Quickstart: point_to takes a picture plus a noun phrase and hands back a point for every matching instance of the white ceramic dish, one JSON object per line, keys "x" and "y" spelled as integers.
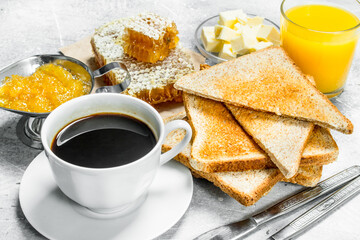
{"x": 212, "y": 21}
{"x": 55, "y": 216}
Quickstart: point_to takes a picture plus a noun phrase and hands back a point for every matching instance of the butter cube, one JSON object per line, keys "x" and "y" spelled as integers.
{"x": 260, "y": 45}
{"x": 268, "y": 33}
{"x": 238, "y": 27}
{"x": 245, "y": 41}
{"x": 227, "y": 34}
{"x": 218, "y": 29}
{"x": 243, "y": 52}
{"x": 229, "y": 18}
{"x": 255, "y": 21}
{"x": 226, "y": 52}
{"x": 211, "y": 44}
{"x": 242, "y": 18}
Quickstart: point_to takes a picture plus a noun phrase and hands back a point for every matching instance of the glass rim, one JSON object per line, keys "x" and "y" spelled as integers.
{"x": 313, "y": 30}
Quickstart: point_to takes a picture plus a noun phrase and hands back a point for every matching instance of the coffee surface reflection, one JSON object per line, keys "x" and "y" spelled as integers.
{"x": 103, "y": 140}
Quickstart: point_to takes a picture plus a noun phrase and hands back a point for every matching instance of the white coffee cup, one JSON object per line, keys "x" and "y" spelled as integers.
{"x": 116, "y": 189}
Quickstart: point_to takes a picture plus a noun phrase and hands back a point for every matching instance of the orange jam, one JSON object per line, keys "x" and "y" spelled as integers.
{"x": 43, "y": 91}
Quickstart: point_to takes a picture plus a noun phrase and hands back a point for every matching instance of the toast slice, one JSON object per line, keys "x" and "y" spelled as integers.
{"x": 282, "y": 138}
{"x": 220, "y": 144}
{"x": 306, "y": 176}
{"x": 151, "y": 82}
{"x": 247, "y": 187}
{"x": 266, "y": 80}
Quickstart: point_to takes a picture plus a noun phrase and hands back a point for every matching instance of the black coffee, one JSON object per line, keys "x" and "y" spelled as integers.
{"x": 103, "y": 140}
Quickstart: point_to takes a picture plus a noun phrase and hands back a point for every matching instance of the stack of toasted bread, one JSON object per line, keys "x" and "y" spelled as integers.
{"x": 257, "y": 120}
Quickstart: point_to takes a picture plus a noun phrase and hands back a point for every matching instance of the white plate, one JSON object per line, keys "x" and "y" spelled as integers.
{"x": 52, "y": 214}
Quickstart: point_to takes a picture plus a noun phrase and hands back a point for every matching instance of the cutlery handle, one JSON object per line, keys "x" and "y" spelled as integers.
{"x": 118, "y": 88}
{"x": 308, "y": 195}
{"x": 229, "y": 232}
{"x": 318, "y": 211}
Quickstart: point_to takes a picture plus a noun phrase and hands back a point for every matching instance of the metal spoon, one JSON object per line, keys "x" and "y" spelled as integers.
{"x": 115, "y": 88}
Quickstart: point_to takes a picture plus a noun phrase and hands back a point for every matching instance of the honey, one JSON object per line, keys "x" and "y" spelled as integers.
{"x": 149, "y": 37}
{"x": 43, "y": 91}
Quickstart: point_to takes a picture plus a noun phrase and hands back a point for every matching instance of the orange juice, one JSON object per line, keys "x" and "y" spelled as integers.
{"x": 321, "y": 40}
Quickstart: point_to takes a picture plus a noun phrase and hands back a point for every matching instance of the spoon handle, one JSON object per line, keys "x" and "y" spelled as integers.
{"x": 116, "y": 88}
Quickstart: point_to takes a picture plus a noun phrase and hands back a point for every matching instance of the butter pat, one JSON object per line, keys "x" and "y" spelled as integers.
{"x": 218, "y": 29}
{"x": 244, "y": 42}
{"x": 260, "y": 45}
{"x": 255, "y": 21}
{"x": 229, "y": 18}
{"x": 211, "y": 44}
{"x": 227, "y": 34}
{"x": 268, "y": 33}
{"x": 226, "y": 52}
{"x": 237, "y": 34}
{"x": 238, "y": 27}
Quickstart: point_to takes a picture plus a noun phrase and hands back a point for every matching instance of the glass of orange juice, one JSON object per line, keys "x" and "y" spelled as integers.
{"x": 321, "y": 37}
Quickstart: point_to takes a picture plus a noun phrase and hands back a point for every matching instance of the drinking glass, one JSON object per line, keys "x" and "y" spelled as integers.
{"x": 321, "y": 37}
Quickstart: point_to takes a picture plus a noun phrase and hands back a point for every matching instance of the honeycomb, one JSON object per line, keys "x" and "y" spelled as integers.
{"x": 149, "y": 37}
{"x": 151, "y": 82}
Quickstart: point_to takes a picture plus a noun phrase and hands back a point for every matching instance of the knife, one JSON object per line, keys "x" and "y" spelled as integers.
{"x": 320, "y": 210}
{"x": 239, "y": 229}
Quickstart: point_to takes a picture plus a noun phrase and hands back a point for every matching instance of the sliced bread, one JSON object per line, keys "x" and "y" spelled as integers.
{"x": 266, "y": 80}
{"x": 247, "y": 187}
{"x": 282, "y": 138}
{"x": 306, "y": 176}
{"x": 220, "y": 144}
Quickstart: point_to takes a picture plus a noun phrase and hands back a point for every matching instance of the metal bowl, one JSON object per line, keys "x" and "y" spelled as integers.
{"x": 29, "y": 126}
{"x": 28, "y": 66}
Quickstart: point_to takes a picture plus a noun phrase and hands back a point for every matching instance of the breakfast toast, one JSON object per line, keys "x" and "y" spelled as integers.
{"x": 266, "y": 80}
{"x": 220, "y": 144}
{"x": 282, "y": 138}
{"x": 246, "y": 187}
{"x": 307, "y": 176}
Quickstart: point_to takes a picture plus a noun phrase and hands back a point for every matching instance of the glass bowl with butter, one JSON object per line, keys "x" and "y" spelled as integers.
{"x": 234, "y": 33}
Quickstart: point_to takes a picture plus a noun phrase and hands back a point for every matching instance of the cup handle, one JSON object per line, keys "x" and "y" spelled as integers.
{"x": 169, "y": 127}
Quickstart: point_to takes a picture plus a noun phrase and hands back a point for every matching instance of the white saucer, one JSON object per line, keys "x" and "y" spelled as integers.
{"x": 52, "y": 214}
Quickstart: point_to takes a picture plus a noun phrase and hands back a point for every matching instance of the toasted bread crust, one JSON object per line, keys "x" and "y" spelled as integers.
{"x": 273, "y": 176}
{"x": 266, "y": 80}
{"x": 214, "y": 130}
{"x": 320, "y": 150}
{"x": 307, "y": 176}
{"x": 282, "y": 138}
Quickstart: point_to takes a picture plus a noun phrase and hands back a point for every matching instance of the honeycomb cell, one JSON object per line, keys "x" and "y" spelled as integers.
{"x": 149, "y": 37}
